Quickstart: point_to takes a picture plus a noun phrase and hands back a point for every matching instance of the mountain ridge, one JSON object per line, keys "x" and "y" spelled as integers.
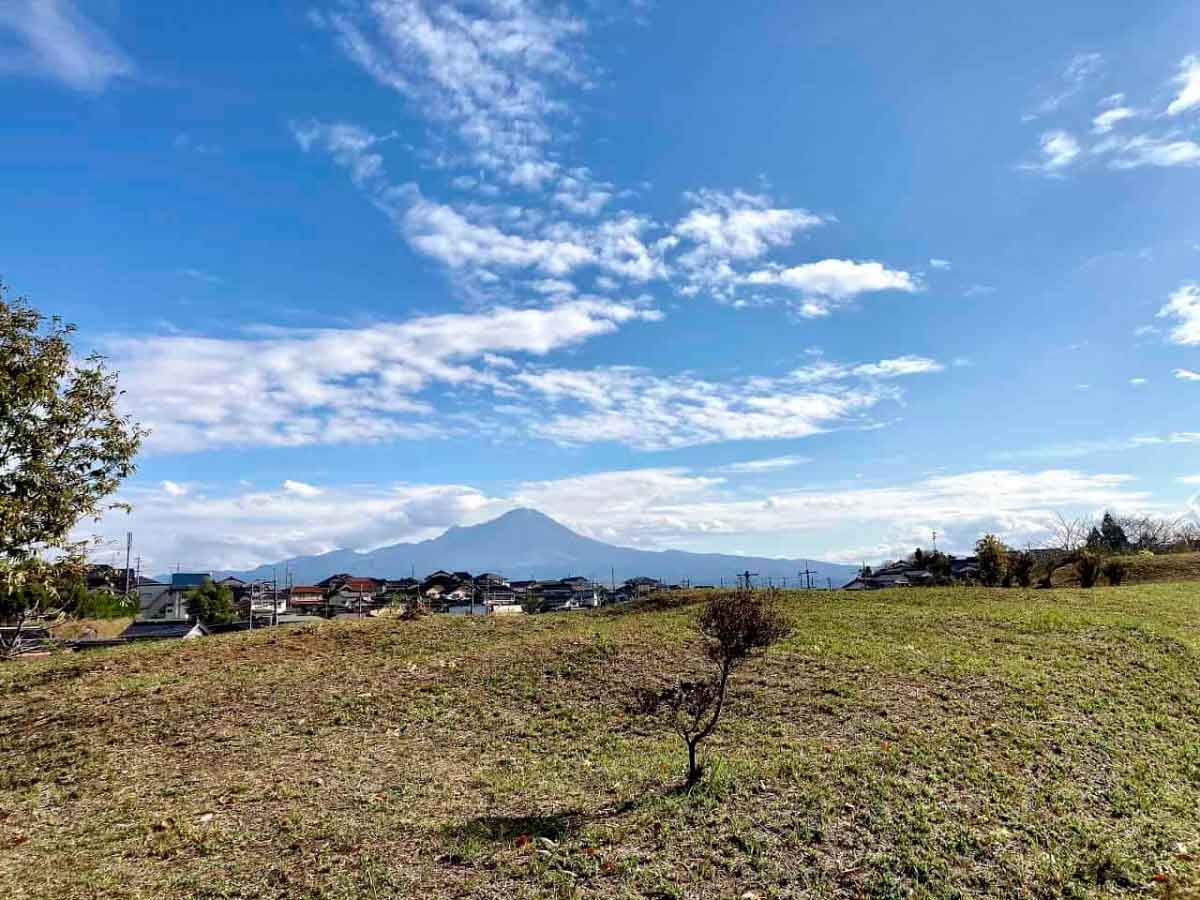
{"x": 526, "y": 543}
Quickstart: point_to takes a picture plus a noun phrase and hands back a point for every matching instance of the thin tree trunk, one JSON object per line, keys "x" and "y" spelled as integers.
{"x": 693, "y": 770}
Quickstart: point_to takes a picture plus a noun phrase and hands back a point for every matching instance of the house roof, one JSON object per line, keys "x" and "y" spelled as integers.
{"x": 189, "y": 579}
{"x": 306, "y": 590}
{"x": 155, "y": 631}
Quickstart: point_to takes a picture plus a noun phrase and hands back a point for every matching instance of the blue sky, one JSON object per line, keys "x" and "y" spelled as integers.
{"x": 776, "y": 278}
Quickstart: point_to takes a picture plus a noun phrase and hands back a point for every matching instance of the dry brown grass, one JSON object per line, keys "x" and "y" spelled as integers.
{"x": 939, "y": 743}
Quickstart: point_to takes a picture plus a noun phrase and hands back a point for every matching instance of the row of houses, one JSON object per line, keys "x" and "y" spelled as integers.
{"x": 906, "y": 573}
{"x": 162, "y": 605}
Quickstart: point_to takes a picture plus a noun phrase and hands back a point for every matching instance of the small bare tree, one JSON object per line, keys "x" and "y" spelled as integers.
{"x": 1070, "y": 535}
{"x": 734, "y": 625}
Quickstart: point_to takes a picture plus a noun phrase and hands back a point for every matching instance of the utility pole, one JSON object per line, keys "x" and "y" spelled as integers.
{"x": 128, "y": 553}
{"x": 744, "y": 579}
{"x": 807, "y": 575}
{"x": 935, "y": 540}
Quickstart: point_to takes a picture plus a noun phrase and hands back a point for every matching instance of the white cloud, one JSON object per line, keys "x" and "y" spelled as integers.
{"x": 1080, "y": 69}
{"x": 490, "y": 71}
{"x": 1186, "y": 375}
{"x": 470, "y": 240}
{"x": 579, "y": 193}
{"x": 739, "y": 225}
{"x": 247, "y": 527}
{"x": 173, "y": 488}
{"x": 1059, "y": 149}
{"x": 940, "y": 264}
{"x": 290, "y": 388}
{"x": 1077, "y": 449}
{"x": 769, "y": 464}
{"x": 442, "y": 232}
{"x": 1110, "y": 118}
{"x": 829, "y": 283}
{"x": 1138, "y": 382}
{"x": 1147, "y": 150}
{"x": 637, "y": 408}
{"x": 898, "y": 367}
{"x": 1184, "y": 306}
{"x": 1188, "y": 80}
{"x": 650, "y": 507}
{"x": 720, "y": 231}
{"x": 351, "y": 147}
{"x": 724, "y": 229}
{"x": 300, "y": 488}
{"x": 1190, "y": 479}
{"x": 58, "y": 41}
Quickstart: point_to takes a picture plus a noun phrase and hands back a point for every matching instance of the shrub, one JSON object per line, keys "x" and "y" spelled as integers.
{"x": 1020, "y": 567}
{"x": 1087, "y": 567}
{"x": 993, "y": 559}
{"x": 415, "y": 608}
{"x": 734, "y": 625}
{"x": 1114, "y": 571}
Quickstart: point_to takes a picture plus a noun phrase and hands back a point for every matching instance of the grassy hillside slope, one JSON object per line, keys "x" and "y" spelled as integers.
{"x": 941, "y": 743}
{"x": 1145, "y": 569}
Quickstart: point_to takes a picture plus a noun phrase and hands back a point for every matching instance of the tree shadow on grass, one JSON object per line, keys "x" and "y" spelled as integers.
{"x": 554, "y": 826}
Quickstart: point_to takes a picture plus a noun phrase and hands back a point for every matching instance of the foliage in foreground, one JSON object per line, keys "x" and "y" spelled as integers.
{"x": 64, "y": 447}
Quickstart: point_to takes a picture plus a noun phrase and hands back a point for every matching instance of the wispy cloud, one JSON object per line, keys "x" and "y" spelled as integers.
{"x": 1149, "y": 150}
{"x": 711, "y": 249}
{"x": 1106, "y": 121}
{"x": 56, "y": 40}
{"x": 1188, "y": 81}
{"x": 492, "y": 72}
{"x": 1059, "y": 149}
{"x": 1081, "y": 69}
{"x": 760, "y": 466}
{"x": 1184, "y": 307}
{"x": 292, "y": 388}
{"x": 1186, "y": 375}
{"x": 826, "y": 284}
{"x": 1079, "y": 449}
{"x": 726, "y": 228}
{"x": 648, "y": 411}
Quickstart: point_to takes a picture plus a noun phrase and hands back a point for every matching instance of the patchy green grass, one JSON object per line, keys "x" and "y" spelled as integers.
{"x": 933, "y": 743}
{"x": 1145, "y": 569}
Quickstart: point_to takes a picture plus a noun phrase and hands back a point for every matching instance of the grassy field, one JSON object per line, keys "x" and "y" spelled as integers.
{"x": 940, "y": 743}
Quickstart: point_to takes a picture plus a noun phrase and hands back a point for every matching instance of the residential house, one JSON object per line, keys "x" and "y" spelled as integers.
{"x": 305, "y": 598}
{"x": 641, "y": 586}
{"x": 158, "y": 601}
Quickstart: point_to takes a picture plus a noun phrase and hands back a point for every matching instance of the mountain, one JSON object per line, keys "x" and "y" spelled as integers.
{"x": 525, "y": 543}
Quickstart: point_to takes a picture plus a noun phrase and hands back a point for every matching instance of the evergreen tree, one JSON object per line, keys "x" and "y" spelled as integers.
{"x": 1112, "y": 535}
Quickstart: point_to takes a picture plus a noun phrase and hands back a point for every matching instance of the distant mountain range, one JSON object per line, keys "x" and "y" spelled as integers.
{"x": 525, "y": 544}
